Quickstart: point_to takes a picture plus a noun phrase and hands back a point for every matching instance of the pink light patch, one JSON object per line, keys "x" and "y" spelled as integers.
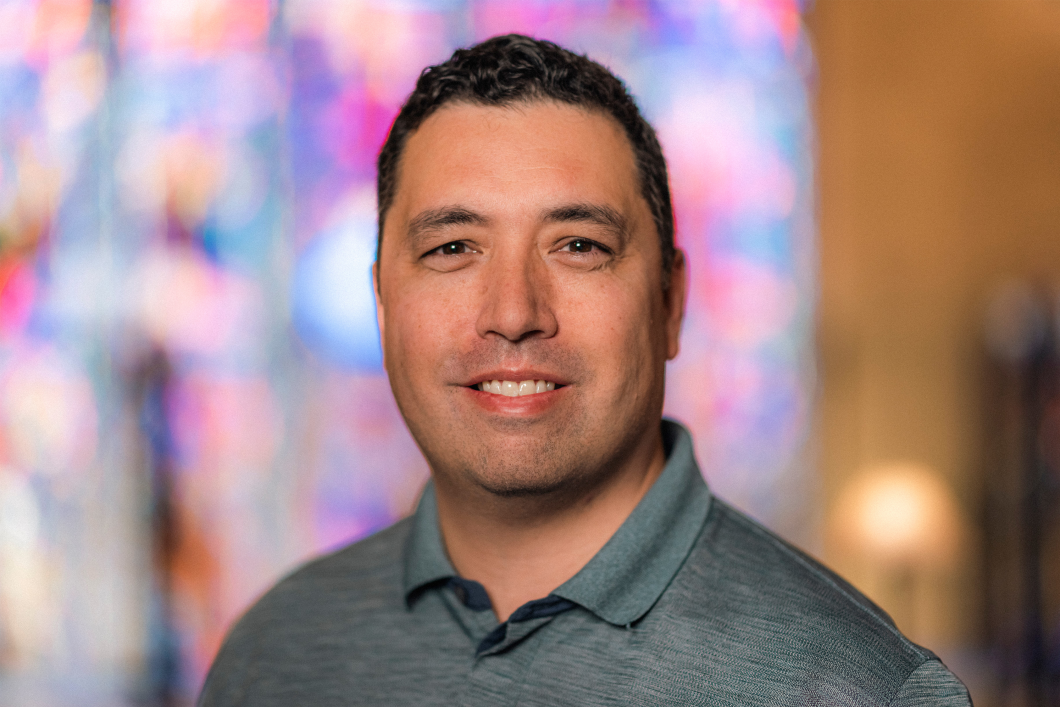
{"x": 749, "y": 303}
{"x": 18, "y": 290}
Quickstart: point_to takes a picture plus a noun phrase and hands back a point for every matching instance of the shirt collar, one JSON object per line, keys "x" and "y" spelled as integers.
{"x": 425, "y": 559}
{"x": 628, "y": 575}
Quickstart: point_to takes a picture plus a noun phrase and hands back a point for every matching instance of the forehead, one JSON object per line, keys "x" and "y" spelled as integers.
{"x": 527, "y": 153}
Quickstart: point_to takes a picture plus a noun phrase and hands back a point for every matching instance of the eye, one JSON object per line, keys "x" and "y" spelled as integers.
{"x": 584, "y": 246}
{"x": 449, "y": 257}
{"x": 455, "y": 248}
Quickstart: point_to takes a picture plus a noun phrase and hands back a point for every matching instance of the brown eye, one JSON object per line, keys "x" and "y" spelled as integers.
{"x": 581, "y": 246}
{"x": 456, "y": 248}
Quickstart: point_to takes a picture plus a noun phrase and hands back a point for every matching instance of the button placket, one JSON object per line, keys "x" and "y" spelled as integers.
{"x": 516, "y": 633}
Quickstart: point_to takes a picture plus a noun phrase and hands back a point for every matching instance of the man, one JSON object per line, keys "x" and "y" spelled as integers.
{"x": 567, "y": 550}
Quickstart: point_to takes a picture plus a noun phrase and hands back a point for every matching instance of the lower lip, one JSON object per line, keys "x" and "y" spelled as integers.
{"x": 521, "y": 406}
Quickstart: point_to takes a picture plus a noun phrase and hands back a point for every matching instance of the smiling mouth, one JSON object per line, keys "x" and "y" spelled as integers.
{"x": 515, "y": 389}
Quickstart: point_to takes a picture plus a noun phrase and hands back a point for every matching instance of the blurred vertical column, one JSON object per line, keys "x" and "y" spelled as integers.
{"x": 1022, "y": 492}
{"x": 68, "y": 553}
{"x": 201, "y": 196}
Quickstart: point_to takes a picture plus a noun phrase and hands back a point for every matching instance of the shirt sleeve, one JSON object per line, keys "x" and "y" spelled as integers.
{"x": 224, "y": 683}
{"x": 234, "y": 668}
{"x": 932, "y": 684}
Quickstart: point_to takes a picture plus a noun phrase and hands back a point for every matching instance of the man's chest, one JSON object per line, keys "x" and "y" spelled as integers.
{"x": 429, "y": 658}
{"x": 433, "y": 656}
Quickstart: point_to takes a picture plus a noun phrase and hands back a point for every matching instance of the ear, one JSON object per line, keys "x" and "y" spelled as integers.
{"x": 675, "y": 304}
{"x": 380, "y": 317}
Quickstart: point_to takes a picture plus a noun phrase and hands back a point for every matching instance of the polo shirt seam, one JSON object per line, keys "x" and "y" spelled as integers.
{"x": 914, "y": 671}
{"x": 905, "y": 642}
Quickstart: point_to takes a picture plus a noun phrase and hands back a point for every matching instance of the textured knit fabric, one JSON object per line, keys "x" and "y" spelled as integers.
{"x": 689, "y": 603}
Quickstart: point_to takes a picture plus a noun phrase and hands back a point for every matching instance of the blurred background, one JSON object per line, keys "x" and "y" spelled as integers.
{"x": 191, "y": 394}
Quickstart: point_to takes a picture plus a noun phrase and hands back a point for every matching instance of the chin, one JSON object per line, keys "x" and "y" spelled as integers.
{"x": 522, "y": 483}
{"x": 553, "y": 472}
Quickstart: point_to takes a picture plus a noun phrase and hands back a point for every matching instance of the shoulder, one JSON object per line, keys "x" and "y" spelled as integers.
{"x": 754, "y": 567}
{"x": 317, "y": 607}
{"x": 783, "y": 615}
{"x": 348, "y": 576}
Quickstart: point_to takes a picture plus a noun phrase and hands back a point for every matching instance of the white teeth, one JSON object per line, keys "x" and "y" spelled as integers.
{"x": 513, "y": 389}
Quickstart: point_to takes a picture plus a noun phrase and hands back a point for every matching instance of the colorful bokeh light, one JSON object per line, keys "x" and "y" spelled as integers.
{"x": 191, "y": 392}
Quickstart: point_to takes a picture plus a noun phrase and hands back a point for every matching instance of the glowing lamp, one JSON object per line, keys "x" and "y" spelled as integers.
{"x": 901, "y": 515}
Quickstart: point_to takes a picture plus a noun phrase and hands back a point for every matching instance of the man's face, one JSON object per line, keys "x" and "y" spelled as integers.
{"x": 519, "y": 248}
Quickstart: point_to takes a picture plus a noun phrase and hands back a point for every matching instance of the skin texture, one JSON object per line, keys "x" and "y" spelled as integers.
{"x": 519, "y": 247}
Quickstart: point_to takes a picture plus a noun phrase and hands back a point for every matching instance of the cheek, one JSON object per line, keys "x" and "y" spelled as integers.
{"x": 611, "y": 321}
{"x": 422, "y": 327}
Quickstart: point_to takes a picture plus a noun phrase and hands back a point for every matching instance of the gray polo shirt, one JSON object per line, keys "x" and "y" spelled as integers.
{"x": 689, "y": 603}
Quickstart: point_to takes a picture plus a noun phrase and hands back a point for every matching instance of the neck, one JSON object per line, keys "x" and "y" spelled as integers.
{"x": 520, "y": 549}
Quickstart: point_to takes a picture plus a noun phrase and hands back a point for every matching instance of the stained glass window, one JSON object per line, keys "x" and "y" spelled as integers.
{"x": 191, "y": 392}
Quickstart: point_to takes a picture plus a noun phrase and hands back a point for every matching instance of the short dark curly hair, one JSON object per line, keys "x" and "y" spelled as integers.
{"x": 515, "y": 68}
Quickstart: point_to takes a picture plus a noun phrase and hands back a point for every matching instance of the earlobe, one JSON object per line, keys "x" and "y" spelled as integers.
{"x": 675, "y": 304}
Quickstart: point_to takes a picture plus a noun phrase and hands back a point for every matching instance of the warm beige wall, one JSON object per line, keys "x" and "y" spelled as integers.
{"x": 939, "y": 175}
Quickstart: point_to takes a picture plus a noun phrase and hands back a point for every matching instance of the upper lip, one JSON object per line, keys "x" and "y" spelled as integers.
{"x": 518, "y": 375}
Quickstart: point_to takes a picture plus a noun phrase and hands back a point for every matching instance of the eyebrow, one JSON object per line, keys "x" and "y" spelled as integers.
{"x": 598, "y": 214}
{"x": 433, "y": 220}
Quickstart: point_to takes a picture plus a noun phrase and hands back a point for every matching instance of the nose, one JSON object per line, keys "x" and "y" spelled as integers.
{"x": 517, "y": 302}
